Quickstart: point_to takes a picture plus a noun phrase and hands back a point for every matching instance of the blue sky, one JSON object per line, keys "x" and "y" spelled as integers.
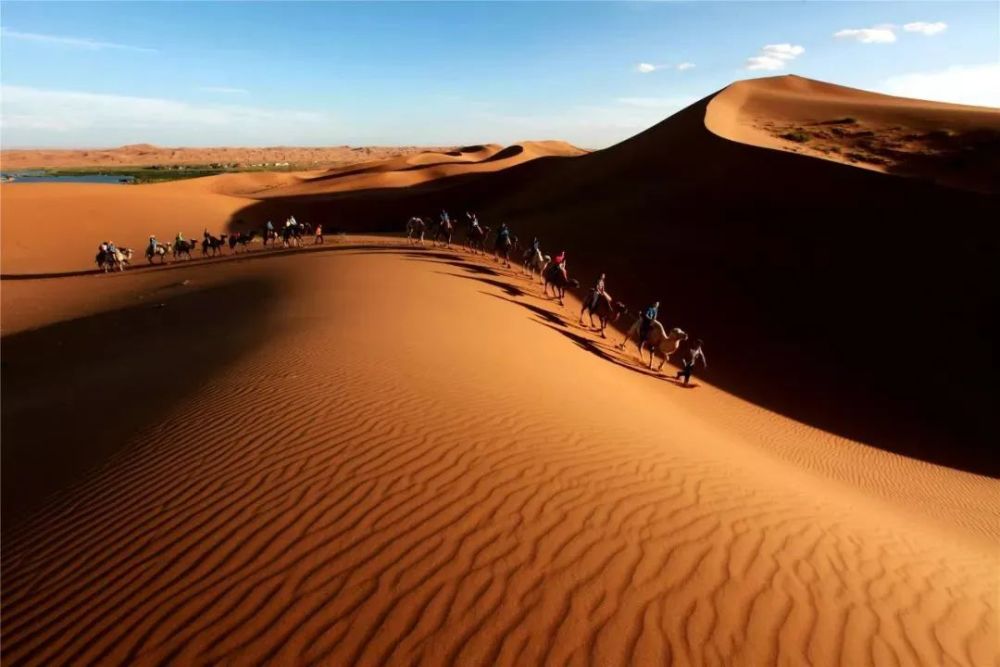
{"x": 103, "y": 74}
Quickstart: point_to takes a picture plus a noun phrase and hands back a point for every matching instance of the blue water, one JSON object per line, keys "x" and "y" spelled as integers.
{"x": 42, "y": 177}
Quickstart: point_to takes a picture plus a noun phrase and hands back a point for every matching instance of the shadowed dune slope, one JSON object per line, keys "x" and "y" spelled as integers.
{"x": 459, "y": 483}
{"x": 857, "y": 301}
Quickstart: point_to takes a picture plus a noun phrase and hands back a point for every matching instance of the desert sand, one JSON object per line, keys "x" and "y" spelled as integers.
{"x": 374, "y": 453}
{"x": 144, "y": 155}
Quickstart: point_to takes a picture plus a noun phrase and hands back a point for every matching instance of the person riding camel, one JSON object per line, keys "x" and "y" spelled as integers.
{"x": 319, "y": 233}
{"x": 599, "y": 292}
{"x": 559, "y": 261}
{"x": 180, "y": 238}
{"x": 503, "y": 234}
{"x": 648, "y": 317}
{"x": 151, "y": 248}
{"x": 445, "y": 219}
{"x": 694, "y": 354}
{"x": 536, "y": 246}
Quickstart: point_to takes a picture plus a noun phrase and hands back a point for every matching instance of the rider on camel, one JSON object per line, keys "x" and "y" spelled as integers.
{"x": 559, "y": 261}
{"x": 180, "y": 238}
{"x": 151, "y": 249}
{"x": 648, "y": 317}
{"x": 596, "y": 293}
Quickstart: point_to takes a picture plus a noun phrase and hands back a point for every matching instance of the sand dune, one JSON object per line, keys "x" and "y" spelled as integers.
{"x": 139, "y": 155}
{"x": 370, "y": 453}
{"x": 818, "y": 284}
{"x": 952, "y": 144}
{"x": 300, "y": 503}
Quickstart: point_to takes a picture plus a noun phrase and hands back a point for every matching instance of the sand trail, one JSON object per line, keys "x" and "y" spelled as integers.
{"x": 409, "y": 466}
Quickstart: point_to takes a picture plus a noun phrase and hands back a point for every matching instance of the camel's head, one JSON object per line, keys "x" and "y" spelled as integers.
{"x": 677, "y": 332}
{"x": 574, "y": 282}
{"x": 619, "y": 309}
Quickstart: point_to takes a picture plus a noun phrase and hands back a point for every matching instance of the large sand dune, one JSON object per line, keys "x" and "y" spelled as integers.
{"x": 389, "y": 456}
{"x": 375, "y": 454}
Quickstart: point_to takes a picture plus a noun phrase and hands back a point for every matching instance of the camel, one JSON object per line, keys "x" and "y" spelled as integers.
{"x": 415, "y": 229}
{"x": 657, "y": 338}
{"x": 242, "y": 240}
{"x": 161, "y": 251}
{"x": 555, "y": 276}
{"x": 605, "y": 309}
{"x": 118, "y": 260}
{"x": 213, "y": 245}
{"x": 535, "y": 261}
{"x": 184, "y": 248}
{"x": 477, "y": 238}
{"x": 444, "y": 231}
{"x": 501, "y": 251}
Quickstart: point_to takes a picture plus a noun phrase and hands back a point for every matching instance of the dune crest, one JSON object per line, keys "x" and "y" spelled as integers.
{"x": 954, "y": 144}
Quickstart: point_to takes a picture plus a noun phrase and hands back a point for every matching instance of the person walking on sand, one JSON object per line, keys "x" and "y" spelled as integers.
{"x": 319, "y": 234}
{"x": 695, "y": 352}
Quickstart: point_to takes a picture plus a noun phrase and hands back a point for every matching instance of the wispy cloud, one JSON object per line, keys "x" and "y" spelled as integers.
{"x": 963, "y": 84}
{"x": 775, "y": 56}
{"x": 924, "y": 28}
{"x": 71, "y": 42}
{"x": 32, "y": 116}
{"x": 225, "y": 90}
{"x": 646, "y": 68}
{"x": 880, "y": 35}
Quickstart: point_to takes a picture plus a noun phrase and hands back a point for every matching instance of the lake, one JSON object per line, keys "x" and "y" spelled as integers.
{"x": 42, "y": 177}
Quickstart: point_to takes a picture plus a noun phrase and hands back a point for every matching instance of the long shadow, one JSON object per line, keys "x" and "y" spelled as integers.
{"x": 512, "y": 290}
{"x": 556, "y": 323}
{"x": 76, "y": 393}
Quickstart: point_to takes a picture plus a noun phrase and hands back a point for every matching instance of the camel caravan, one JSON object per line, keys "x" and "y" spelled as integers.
{"x": 646, "y": 330}
{"x": 111, "y": 258}
{"x": 649, "y": 334}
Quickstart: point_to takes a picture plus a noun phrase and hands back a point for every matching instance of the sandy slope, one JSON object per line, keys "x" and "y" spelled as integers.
{"x": 828, "y": 292}
{"x": 953, "y": 144}
{"x": 407, "y": 456}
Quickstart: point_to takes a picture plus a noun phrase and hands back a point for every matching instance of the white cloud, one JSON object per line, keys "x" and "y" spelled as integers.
{"x": 925, "y": 28}
{"x": 774, "y": 56}
{"x": 34, "y": 117}
{"x": 71, "y": 42}
{"x": 646, "y": 68}
{"x": 224, "y": 90}
{"x": 876, "y": 35}
{"x": 684, "y": 66}
{"x": 962, "y": 84}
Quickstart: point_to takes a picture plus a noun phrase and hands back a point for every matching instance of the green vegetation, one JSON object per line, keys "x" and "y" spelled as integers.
{"x": 798, "y": 136}
{"x": 158, "y": 173}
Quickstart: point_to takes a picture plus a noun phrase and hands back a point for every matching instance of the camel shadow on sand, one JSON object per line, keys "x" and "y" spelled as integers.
{"x": 556, "y": 323}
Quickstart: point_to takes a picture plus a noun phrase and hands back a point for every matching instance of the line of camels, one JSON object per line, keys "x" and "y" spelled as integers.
{"x": 657, "y": 338}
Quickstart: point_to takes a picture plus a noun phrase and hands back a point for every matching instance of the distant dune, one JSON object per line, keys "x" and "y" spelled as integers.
{"x": 140, "y": 155}
{"x": 373, "y": 453}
